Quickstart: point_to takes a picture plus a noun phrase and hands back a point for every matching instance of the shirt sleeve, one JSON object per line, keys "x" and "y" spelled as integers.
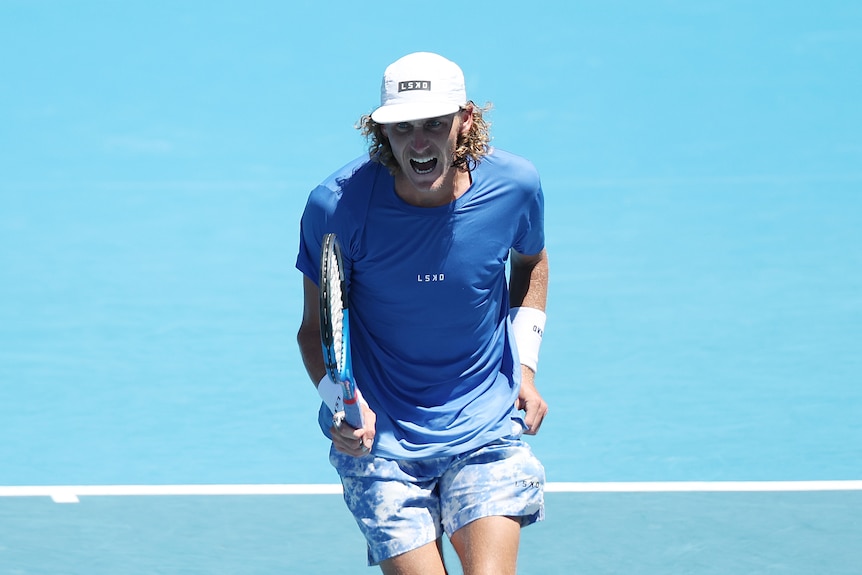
{"x": 530, "y": 239}
{"x": 311, "y": 230}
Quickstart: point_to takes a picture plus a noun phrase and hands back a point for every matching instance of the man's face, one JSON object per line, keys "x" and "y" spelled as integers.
{"x": 425, "y": 149}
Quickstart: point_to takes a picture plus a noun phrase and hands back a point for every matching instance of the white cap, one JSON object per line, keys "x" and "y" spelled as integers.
{"x": 420, "y": 85}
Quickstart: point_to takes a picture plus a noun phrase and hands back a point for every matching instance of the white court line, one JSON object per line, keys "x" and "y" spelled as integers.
{"x": 72, "y": 493}
{"x": 702, "y": 486}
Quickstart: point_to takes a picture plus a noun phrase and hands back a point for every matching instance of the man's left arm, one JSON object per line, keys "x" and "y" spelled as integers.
{"x": 528, "y": 296}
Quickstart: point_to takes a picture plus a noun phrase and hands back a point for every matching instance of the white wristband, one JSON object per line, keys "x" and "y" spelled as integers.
{"x": 332, "y": 394}
{"x": 528, "y": 325}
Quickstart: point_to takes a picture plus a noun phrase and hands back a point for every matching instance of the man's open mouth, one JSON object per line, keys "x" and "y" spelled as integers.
{"x": 423, "y": 165}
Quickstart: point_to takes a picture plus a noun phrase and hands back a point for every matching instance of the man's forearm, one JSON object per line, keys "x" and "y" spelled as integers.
{"x": 528, "y": 282}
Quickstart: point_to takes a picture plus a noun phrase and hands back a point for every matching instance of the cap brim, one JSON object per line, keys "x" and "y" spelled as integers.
{"x": 394, "y": 113}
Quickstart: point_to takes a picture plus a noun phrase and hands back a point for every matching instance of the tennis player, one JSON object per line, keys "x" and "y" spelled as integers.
{"x": 445, "y": 349}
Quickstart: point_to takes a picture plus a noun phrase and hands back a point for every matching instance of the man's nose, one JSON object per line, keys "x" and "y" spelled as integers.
{"x": 419, "y": 139}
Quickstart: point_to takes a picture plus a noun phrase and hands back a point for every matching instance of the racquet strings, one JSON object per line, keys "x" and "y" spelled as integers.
{"x": 336, "y": 310}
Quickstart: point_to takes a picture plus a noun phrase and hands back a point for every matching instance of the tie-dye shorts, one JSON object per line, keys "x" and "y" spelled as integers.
{"x": 401, "y": 505}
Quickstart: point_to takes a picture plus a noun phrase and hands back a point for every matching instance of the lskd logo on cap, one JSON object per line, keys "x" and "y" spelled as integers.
{"x": 414, "y": 85}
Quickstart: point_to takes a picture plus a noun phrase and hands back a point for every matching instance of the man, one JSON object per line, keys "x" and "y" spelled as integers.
{"x": 444, "y": 350}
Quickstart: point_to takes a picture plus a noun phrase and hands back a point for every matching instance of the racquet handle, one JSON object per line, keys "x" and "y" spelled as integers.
{"x": 353, "y": 414}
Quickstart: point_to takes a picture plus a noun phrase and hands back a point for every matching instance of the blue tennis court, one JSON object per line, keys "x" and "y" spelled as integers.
{"x": 702, "y": 166}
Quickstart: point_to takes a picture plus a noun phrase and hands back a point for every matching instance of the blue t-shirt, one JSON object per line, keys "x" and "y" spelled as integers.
{"x": 430, "y": 338}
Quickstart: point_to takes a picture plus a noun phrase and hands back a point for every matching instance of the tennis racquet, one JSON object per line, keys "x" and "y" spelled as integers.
{"x": 335, "y": 329}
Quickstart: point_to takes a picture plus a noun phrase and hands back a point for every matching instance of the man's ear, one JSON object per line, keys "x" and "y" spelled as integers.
{"x": 466, "y": 118}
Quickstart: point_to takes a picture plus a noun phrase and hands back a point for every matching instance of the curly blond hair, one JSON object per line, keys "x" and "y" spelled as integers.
{"x": 469, "y": 150}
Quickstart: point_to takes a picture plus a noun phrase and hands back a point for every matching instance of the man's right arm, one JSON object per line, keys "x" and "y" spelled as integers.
{"x": 308, "y": 337}
{"x": 345, "y": 438}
